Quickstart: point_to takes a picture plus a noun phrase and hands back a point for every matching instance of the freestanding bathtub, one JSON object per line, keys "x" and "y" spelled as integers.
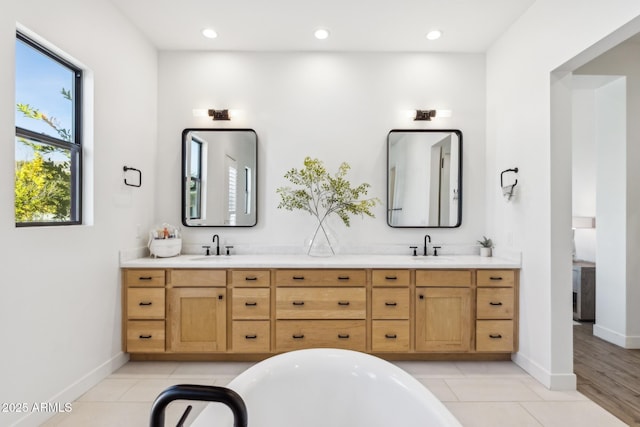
{"x": 330, "y": 388}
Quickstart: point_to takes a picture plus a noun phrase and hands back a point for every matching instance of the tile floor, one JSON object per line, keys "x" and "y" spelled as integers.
{"x": 479, "y": 394}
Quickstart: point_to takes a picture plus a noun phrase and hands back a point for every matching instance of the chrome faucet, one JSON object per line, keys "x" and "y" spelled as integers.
{"x": 426, "y": 247}
{"x": 216, "y": 240}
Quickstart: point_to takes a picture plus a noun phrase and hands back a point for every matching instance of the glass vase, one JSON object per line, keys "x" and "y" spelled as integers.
{"x": 322, "y": 242}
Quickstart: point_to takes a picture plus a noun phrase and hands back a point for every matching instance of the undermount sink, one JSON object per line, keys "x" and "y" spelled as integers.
{"x": 431, "y": 258}
{"x": 208, "y": 258}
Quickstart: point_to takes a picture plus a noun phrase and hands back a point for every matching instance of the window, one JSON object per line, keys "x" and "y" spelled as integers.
{"x": 247, "y": 190}
{"x": 232, "y": 178}
{"x": 48, "y": 144}
{"x": 195, "y": 183}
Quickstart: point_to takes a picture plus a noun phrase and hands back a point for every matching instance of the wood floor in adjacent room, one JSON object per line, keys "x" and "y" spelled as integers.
{"x": 607, "y": 374}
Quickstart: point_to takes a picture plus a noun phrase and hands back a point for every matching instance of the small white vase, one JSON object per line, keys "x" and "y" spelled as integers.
{"x": 485, "y": 251}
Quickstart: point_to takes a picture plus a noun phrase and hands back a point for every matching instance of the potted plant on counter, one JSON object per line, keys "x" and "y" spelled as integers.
{"x": 485, "y": 246}
{"x": 321, "y": 194}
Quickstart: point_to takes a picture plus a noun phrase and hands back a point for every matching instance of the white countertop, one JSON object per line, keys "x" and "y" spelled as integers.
{"x": 337, "y": 261}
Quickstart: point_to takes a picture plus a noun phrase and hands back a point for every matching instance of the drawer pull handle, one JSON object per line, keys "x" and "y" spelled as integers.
{"x": 298, "y": 303}
{"x": 391, "y": 304}
{"x": 145, "y": 278}
{"x": 343, "y": 277}
{"x": 495, "y": 336}
{"x": 421, "y": 296}
{"x": 298, "y": 277}
{"x": 495, "y": 278}
{"x": 297, "y": 336}
{"x": 391, "y": 277}
{"x": 250, "y": 278}
{"x": 220, "y": 296}
{"x": 391, "y": 336}
{"x": 250, "y": 337}
{"x": 495, "y": 303}
{"x": 250, "y": 304}
{"x": 343, "y": 303}
{"x": 343, "y": 336}
{"x": 145, "y": 303}
{"x": 145, "y": 337}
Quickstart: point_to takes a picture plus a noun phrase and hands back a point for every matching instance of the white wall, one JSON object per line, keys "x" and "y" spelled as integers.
{"x": 618, "y": 195}
{"x": 60, "y": 306}
{"x": 334, "y": 106}
{"x": 529, "y": 126}
{"x": 611, "y": 260}
{"x": 584, "y": 161}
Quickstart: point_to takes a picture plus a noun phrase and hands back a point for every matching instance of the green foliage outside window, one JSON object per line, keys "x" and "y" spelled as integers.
{"x": 43, "y": 184}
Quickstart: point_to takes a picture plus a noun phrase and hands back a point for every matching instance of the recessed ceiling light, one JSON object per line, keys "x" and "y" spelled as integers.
{"x": 321, "y": 33}
{"x": 209, "y": 33}
{"x": 434, "y": 34}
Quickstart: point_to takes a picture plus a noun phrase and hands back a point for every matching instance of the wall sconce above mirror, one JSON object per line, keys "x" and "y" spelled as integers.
{"x": 424, "y": 178}
{"x": 219, "y": 177}
{"x": 219, "y": 114}
{"x": 430, "y": 114}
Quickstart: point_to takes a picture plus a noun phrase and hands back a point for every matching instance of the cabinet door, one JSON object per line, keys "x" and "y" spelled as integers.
{"x": 443, "y": 319}
{"x": 197, "y": 319}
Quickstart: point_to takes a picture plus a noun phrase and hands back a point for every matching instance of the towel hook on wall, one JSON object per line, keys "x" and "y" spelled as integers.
{"x": 507, "y": 190}
{"x": 126, "y": 169}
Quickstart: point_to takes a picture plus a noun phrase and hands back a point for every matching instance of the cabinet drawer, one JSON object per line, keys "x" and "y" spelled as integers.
{"x": 390, "y": 335}
{"x": 320, "y": 277}
{"x": 390, "y": 303}
{"x": 497, "y": 278}
{"x": 250, "y": 336}
{"x": 145, "y": 303}
{"x": 390, "y": 278}
{"x": 250, "y": 303}
{"x": 495, "y": 303}
{"x": 250, "y": 278}
{"x": 297, "y": 334}
{"x": 494, "y": 335}
{"x": 321, "y": 303}
{"x": 144, "y": 277}
{"x": 446, "y": 278}
{"x": 145, "y": 336}
{"x": 197, "y": 278}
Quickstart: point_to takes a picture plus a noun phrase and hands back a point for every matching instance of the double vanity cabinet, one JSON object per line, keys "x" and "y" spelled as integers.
{"x": 176, "y": 311}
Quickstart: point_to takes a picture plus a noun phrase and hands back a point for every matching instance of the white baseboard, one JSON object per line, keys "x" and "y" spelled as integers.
{"x": 75, "y": 390}
{"x": 633, "y": 342}
{"x": 566, "y": 381}
{"x": 624, "y": 341}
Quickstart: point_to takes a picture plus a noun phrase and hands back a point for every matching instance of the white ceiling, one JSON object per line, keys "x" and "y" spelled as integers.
{"x": 355, "y": 25}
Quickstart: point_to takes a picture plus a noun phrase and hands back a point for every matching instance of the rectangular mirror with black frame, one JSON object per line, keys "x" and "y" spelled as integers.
{"x": 219, "y": 177}
{"x": 424, "y": 178}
